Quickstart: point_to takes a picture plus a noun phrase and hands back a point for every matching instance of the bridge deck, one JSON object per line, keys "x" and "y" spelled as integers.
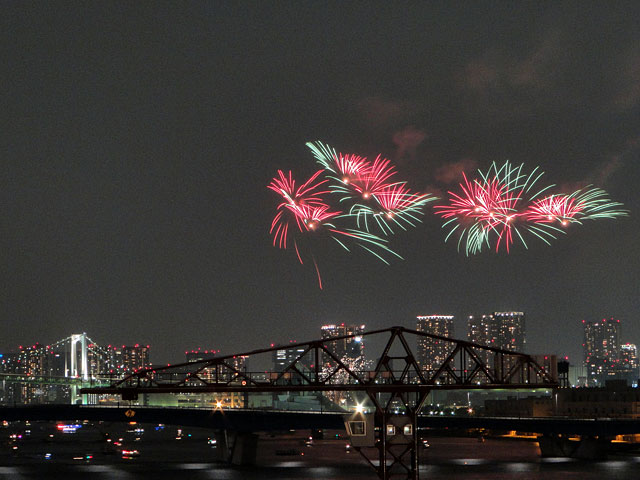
{"x": 270, "y": 420}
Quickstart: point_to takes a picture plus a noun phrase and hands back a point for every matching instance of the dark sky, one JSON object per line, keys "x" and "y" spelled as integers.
{"x": 138, "y": 138}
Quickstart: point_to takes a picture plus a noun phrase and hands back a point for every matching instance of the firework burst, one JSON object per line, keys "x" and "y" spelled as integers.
{"x": 299, "y": 205}
{"x": 353, "y": 177}
{"x": 369, "y": 186}
{"x": 392, "y": 206}
{"x": 303, "y": 215}
{"x": 503, "y": 205}
{"x": 562, "y": 209}
{"x": 488, "y": 209}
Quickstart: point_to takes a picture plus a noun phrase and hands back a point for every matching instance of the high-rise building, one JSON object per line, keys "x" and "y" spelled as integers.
{"x": 284, "y": 357}
{"x": 350, "y": 348}
{"x": 511, "y": 330}
{"x": 199, "y": 354}
{"x": 628, "y": 366}
{"x": 127, "y": 359}
{"x": 483, "y": 330}
{"x": 505, "y": 330}
{"x": 136, "y": 357}
{"x": 30, "y": 361}
{"x": 431, "y": 351}
{"x": 601, "y": 350}
{"x": 10, "y": 392}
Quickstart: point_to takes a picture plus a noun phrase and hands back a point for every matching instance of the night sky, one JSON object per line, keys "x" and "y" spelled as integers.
{"x": 138, "y": 138}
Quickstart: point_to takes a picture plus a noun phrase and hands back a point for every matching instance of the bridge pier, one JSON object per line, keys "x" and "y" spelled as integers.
{"x": 236, "y": 448}
{"x": 587, "y": 448}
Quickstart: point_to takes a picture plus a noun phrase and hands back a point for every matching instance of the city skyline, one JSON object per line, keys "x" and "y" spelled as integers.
{"x": 79, "y": 358}
{"x": 139, "y": 141}
{"x": 493, "y": 334}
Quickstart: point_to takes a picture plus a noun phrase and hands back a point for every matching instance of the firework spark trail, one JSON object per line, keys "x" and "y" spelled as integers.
{"x": 394, "y": 205}
{"x": 353, "y": 177}
{"x": 584, "y": 204}
{"x": 483, "y": 207}
{"x": 596, "y": 203}
{"x": 554, "y": 208}
{"x": 343, "y": 167}
{"x": 306, "y": 193}
{"x": 499, "y": 207}
{"x": 374, "y": 179}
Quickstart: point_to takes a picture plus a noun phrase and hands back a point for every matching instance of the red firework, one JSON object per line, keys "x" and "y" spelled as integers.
{"x": 480, "y": 202}
{"x": 311, "y": 217}
{"x": 490, "y": 204}
{"x": 306, "y": 193}
{"x": 304, "y": 204}
{"x": 374, "y": 178}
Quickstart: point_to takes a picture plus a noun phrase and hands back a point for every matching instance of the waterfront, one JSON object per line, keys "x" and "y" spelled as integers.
{"x": 190, "y": 454}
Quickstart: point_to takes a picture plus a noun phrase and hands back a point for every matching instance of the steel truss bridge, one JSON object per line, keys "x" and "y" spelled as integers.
{"x": 395, "y": 389}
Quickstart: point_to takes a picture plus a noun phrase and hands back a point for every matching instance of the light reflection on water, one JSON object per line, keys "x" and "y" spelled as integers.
{"x": 447, "y": 458}
{"x": 465, "y": 469}
{"x": 557, "y": 460}
{"x": 520, "y": 467}
{"x": 470, "y": 461}
{"x": 289, "y": 465}
{"x": 195, "y": 466}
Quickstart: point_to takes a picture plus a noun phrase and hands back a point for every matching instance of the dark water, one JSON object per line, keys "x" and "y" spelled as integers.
{"x": 191, "y": 456}
{"x": 472, "y": 469}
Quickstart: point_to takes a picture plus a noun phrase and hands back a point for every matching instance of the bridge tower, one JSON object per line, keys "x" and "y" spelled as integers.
{"x": 390, "y": 435}
{"x": 76, "y": 362}
{"x": 77, "y": 368}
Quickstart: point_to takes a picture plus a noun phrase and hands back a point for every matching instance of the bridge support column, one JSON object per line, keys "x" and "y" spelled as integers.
{"x": 245, "y": 449}
{"x": 237, "y": 448}
{"x": 387, "y": 440}
{"x": 592, "y": 448}
{"x": 396, "y": 411}
{"x": 223, "y": 452}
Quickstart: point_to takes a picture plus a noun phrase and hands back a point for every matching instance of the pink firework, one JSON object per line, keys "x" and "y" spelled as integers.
{"x": 303, "y": 204}
{"x": 561, "y": 208}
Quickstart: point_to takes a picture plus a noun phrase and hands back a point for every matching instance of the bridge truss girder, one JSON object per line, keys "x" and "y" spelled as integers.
{"x": 397, "y": 383}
